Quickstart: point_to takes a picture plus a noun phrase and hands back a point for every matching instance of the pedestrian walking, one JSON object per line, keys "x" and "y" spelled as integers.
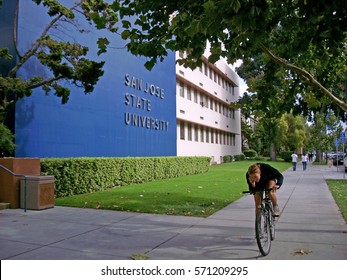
{"x": 304, "y": 161}
{"x": 294, "y": 160}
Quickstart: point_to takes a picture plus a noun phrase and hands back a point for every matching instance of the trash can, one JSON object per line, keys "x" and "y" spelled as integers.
{"x": 39, "y": 192}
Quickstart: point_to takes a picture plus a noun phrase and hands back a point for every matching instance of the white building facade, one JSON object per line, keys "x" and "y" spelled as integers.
{"x": 206, "y": 125}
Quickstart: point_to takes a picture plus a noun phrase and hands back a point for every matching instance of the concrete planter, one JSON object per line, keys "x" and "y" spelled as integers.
{"x": 39, "y": 192}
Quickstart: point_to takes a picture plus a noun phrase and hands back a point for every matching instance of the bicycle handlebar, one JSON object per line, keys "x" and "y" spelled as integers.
{"x": 255, "y": 191}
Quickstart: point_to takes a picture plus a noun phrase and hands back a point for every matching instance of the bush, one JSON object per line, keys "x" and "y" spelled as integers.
{"x": 239, "y": 157}
{"x": 260, "y": 158}
{"x": 286, "y": 156}
{"x": 227, "y": 158}
{"x": 86, "y": 175}
{"x": 7, "y": 145}
{"x": 250, "y": 153}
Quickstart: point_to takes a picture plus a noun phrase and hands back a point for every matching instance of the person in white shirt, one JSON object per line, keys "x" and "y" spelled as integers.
{"x": 294, "y": 160}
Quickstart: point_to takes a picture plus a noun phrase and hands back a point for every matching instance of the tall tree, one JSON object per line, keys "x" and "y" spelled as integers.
{"x": 67, "y": 62}
{"x": 293, "y": 134}
{"x": 300, "y": 35}
{"x": 268, "y": 101}
{"x": 323, "y": 130}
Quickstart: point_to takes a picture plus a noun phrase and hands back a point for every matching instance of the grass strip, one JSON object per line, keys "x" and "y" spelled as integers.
{"x": 198, "y": 195}
{"x": 338, "y": 189}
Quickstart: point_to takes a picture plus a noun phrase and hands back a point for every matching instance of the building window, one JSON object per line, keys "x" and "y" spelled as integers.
{"x": 195, "y": 96}
{"x": 189, "y": 93}
{"x": 211, "y": 104}
{"x": 201, "y": 97}
{"x": 196, "y": 134}
{"x": 206, "y": 101}
{"x": 182, "y": 136}
{"x": 207, "y": 135}
{"x": 181, "y": 89}
{"x": 202, "y": 135}
{"x": 189, "y": 132}
{"x": 212, "y": 136}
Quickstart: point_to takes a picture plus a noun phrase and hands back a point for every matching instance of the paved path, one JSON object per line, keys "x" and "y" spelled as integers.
{"x": 310, "y": 227}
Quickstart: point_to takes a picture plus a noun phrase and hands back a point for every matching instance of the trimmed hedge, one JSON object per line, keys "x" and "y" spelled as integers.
{"x": 239, "y": 157}
{"x": 228, "y": 158}
{"x": 87, "y": 175}
{"x": 250, "y": 153}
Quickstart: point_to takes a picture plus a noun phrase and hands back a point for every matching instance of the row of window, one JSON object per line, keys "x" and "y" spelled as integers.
{"x": 213, "y": 75}
{"x": 199, "y": 133}
{"x": 205, "y": 101}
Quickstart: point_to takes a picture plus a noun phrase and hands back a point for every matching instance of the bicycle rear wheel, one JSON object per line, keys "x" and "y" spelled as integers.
{"x": 262, "y": 233}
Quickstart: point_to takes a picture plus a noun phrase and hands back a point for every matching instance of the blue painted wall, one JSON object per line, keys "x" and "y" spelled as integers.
{"x": 120, "y": 118}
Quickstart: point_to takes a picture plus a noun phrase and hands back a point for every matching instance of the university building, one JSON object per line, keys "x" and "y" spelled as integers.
{"x": 169, "y": 111}
{"x": 206, "y": 125}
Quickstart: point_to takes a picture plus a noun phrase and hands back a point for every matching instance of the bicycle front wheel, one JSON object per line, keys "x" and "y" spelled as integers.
{"x": 272, "y": 226}
{"x": 263, "y": 233}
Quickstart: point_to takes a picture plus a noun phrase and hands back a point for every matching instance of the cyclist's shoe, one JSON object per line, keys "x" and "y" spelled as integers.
{"x": 277, "y": 211}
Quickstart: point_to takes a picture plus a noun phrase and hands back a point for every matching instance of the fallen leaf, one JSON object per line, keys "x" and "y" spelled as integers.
{"x": 139, "y": 257}
{"x": 301, "y": 252}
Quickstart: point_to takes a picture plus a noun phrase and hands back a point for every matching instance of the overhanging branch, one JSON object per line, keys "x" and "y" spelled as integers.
{"x": 306, "y": 76}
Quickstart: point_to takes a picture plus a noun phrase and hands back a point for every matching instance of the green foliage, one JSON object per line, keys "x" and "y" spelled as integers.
{"x": 87, "y": 175}
{"x": 227, "y": 158}
{"x": 6, "y": 141}
{"x": 193, "y": 195}
{"x": 339, "y": 192}
{"x": 287, "y": 156}
{"x": 5, "y": 54}
{"x": 239, "y": 157}
{"x": 293, "y": 132}
{"x": 250, "y": 153}
{"x": 304, "y": 38}
{"x": 63, "y": 62}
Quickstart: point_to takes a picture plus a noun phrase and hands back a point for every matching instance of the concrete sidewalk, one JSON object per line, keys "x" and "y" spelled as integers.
{"x": 310, "y": 227}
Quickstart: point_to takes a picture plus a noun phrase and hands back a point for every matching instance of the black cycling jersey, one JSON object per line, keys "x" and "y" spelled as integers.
{"x": 268, "y": 173}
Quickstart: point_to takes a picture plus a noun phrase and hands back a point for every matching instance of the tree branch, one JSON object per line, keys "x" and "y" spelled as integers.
{"x": 35, "y": 47}
{"x": 306, "y": 76}
{"x": 44, "y": 82}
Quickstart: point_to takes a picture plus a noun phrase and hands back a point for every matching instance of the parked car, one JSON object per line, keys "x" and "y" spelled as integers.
{"x": 345, "y": 163}
{"x": 338, "y": 159}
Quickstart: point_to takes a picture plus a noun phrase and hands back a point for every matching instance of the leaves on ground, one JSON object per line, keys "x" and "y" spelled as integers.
{"x": 139, "y": 256}
{"x": 301, "y": 252}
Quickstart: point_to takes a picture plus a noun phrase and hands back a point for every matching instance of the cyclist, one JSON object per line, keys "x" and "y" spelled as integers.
{"x": 263, "y": 176}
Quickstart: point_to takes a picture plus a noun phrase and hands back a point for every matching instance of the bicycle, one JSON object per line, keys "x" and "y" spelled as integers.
{"x": 264, "y": 223}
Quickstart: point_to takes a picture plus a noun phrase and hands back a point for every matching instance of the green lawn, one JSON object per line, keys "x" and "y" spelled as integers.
{"x": 196, "y": 195}
{"x": 338, "y": 189}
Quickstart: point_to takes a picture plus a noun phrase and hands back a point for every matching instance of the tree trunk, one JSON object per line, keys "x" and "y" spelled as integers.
{"x": 272, "y": 152}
